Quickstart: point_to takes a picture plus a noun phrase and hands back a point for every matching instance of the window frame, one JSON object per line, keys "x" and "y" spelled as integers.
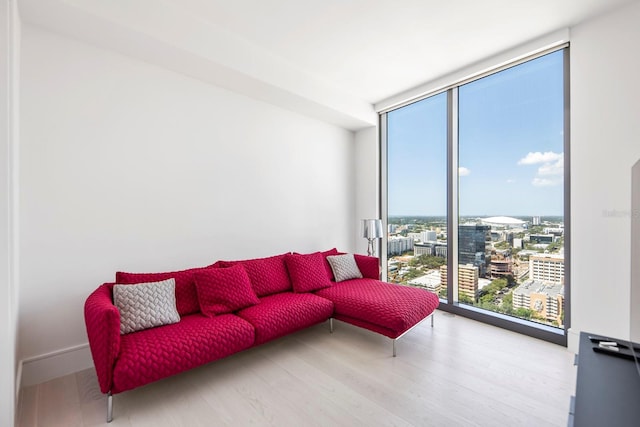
{"x": 537, "y": 330}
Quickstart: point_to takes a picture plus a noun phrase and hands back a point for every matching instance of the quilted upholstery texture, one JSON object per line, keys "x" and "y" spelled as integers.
{"x": 307, "y": 272}
{"x": 368, "y": 265}
{"x": 393, "y": 307}
{"x": 224, "y": 290}
{"x": 344, "y": 267}
{"x": 280, "y": 314}
{"x": 146, "y": 305}
{"x": 327, "y": 266}
{"x": 102, "y": 320}
{"x": 268, "y": 275}
{"x": 186, "y": 296}
{"x": 152, "y": 354}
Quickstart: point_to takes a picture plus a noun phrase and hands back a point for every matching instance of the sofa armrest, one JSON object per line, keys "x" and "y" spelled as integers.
{"x": 369, "y": 266}
{"x": 102, "y": 320}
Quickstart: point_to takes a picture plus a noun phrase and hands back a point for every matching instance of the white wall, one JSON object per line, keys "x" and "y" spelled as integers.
{"x": 367, "y": 196}
{"x": 605, "y": 143}
{"x": 128, "y": 166}
{"x": 9, "y": 83}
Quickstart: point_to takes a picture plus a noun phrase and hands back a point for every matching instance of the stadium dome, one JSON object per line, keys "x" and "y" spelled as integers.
{"x": 504, "y": 221}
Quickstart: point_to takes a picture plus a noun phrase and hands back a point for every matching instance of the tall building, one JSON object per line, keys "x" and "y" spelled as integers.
{"x": 474, "y": 243}
{"x": 546, "y": 268}
{"x": 535, "y": 220}
{"x": 467, "y": 280}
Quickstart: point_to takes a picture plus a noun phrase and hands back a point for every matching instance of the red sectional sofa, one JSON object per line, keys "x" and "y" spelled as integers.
{"x": 234, "y": 305}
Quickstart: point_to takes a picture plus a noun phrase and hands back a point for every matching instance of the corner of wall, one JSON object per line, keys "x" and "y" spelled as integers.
{"x": 367, "y": 180}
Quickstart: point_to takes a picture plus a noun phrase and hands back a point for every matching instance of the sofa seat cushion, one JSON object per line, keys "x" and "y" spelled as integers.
{"x": 284, "y": 313}
{"x": 152, "y": 354}
{"x": 392, "y": 308}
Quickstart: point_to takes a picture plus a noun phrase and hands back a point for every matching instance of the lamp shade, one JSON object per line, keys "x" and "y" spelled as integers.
{"x": 372, "y": 228}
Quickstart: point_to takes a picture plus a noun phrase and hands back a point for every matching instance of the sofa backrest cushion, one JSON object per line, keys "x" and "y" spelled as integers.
{"x": 186, "y": 296}
{"x": 307, "y": 272}
{"x": 327, "y": 266}
{"x": 268, "y": 275}
{"x": 146, "y": 305}
{"x": 224, "y": 290}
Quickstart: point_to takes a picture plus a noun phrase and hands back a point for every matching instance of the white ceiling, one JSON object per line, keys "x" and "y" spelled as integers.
{"x": 331, "y": 59}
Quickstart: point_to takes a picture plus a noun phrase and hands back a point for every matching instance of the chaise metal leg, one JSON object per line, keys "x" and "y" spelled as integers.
{"x": 432, "y": 316}
{"x": 331, "y": 325}
{"x": 109, "y": 407}
{"x": 394, "y": 348}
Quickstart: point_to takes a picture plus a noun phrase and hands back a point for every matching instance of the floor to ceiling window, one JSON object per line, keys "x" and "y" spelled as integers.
{"x": 475, "y": 196}
{"x": 417, "y": 194}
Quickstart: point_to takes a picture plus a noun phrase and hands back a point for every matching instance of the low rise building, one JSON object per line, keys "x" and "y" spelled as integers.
{"x": 430, "y": 281}
{"x": 399, "y": 245}
{"x": 545, "y": 299}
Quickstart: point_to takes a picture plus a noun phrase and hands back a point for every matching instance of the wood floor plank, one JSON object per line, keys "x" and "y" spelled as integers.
{"x": 458, "y": 373}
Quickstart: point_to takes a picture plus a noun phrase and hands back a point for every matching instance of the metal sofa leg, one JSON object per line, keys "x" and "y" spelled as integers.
{"x": 331, "y": 325}
{"x": 394, "y": 347}
{"x": 109, "y": 407}
{"x": 432, "y": 316}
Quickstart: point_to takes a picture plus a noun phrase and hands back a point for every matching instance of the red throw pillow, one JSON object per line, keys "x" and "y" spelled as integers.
{"x": 224, "y": 290}
{"x": 267, "y": 275}
{"x": 307, "y": 272}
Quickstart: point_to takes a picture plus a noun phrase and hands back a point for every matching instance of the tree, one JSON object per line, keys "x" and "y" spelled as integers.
{"x": 429, "y": 261}
{"x": 507, "y": 303}
{"x": 524, "y": 313}
{"x": 412, "y": 274}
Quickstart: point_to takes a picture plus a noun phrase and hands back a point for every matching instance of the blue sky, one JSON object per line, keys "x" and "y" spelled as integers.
{"x": 510, "y": 150}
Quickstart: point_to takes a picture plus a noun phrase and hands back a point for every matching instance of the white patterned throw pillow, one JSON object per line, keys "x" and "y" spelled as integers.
{"x": 146, "y": 305}
{"x": 344, "y": 267}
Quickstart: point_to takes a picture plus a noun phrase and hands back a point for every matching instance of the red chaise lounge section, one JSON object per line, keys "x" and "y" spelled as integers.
{"x": 386, "y": 308}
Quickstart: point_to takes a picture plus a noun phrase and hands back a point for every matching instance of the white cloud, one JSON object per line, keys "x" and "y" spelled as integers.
{"x": 551, "y": 169}
{"x": 462, "y": 171}
{"x": 538, "y": 157}
{"x": 556, "y": 168}
{"x": 510, "y": 181}
{"x": 545, "y": 182}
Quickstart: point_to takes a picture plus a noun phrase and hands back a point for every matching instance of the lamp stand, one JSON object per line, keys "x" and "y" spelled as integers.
{"x": 371, "y": 250}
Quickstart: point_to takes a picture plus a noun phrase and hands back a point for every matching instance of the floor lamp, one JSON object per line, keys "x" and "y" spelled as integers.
{"x": 371, "y": 230}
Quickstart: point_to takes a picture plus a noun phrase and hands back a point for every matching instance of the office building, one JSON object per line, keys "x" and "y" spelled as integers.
{"x": 474, "y": 242}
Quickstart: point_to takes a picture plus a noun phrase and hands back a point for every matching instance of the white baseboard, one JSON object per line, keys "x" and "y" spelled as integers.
{"x": 18, "y": 380}
{"x": 45, "y": 367}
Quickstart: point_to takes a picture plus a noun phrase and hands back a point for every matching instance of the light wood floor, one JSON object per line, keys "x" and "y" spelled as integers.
{"x": 461, "y": 372}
